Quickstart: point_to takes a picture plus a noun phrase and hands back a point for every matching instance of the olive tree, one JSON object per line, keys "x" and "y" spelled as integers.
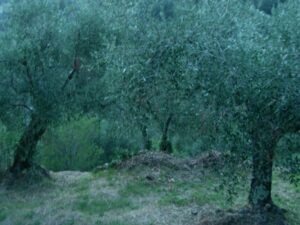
{"x": 242, "y": 62}
{"x": 260, "y": 88}
{"x": 152, "y": 62}
{"x": 247, "y": 67}
{"x": 271, "y": 96}
{"x": 45, "y": 49}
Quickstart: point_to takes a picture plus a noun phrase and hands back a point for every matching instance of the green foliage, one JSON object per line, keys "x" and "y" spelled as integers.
{"x": 72, "y": 145}
{"x": 84, "y": 143}
{"x": 253, "y": 79}
{"x": 228, "y": 74}
{"x": 45, "y": 48}
{"x": 116, "y": 141}
{"x": 2, "y": 216}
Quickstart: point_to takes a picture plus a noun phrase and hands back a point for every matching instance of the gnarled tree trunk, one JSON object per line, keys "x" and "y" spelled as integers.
{"x": 26, "y": 147}
{"x": 265, "y": 135}
{"x": 261, "y": 183}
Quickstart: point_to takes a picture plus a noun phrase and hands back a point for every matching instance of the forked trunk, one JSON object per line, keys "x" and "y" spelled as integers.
{"x": 26, "y": 147}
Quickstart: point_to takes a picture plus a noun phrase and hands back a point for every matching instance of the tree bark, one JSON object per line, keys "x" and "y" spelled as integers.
{"x": 165, "y": 145}
{"x": 26, "y": 147}
{"x": 260, "y": 195}
{"x": 147, "y": 145}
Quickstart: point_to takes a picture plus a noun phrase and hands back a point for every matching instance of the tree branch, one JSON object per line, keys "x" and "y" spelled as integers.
{"x": 69, "y": 78}
{"x": 28, "y": 75}
{"x": 167, "y": 125}
{"x": 76, "y": 63}
{"x": 21, "y": 105}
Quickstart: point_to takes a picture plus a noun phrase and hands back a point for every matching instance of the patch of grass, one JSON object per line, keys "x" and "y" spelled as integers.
{"x": 287, "y": 196}
{"x": 139, "y": 188}
{"x": 2, "y": 215}
{"x": 175, "y": 199}
{"x": 29, "y": 215}
{"x": 100, "y": 206}
{"x": 21, "y": 206}
{"x": 36, "y": 223}
{"x": 205, "y": 191}
{"x": 177, "y": 193}
{"x": 293, "y": 217}
{"x": 82, "y": 187}
{"x": 182, "y": 193}
{"x": 202, "y": 197}
{"x": 109, "y": 173}
{"x": 117, "y": 222}
{"x": 70, "y": 221}
{"x": 13, "y": 204}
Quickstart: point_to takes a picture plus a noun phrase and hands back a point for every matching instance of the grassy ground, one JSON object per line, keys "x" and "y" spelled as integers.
{"x": 129, "y": 198}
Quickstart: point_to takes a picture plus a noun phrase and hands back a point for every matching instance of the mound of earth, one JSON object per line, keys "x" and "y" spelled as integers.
{"x": 154, "y": 159}
{"x": 206, "y": 160}
{"x": 151, "y": 159}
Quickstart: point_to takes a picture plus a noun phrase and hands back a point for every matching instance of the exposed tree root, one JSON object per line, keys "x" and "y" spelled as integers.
{"x": 34, "y": 174}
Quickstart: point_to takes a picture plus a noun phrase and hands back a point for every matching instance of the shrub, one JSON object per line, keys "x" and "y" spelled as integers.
{"x": 72, "y": 145}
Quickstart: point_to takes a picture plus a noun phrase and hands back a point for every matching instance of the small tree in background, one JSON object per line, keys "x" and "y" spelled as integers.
{"x": 152, "y": 60}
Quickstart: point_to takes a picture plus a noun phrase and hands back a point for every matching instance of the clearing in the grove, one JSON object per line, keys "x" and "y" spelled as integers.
{"x": 150, "y": 189}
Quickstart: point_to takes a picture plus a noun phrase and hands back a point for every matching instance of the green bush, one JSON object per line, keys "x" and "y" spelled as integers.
{"x": 83, "y": 143}
{"x": 72, "y": 145}
{"x": 117, "y": 142}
